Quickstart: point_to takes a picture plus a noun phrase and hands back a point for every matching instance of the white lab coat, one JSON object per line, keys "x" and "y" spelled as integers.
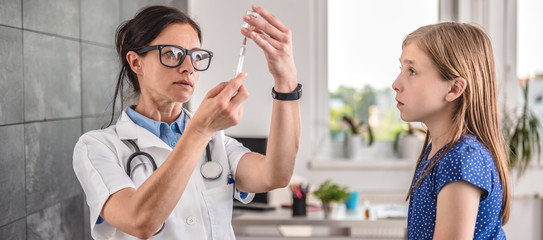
{"x": 205, "y": 208}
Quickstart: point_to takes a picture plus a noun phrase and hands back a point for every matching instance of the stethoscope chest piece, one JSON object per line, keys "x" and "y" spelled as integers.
{"x": 211, "y": 170}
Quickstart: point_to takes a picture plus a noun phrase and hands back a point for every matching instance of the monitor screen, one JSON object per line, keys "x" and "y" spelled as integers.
{"x": 255, "y": 144}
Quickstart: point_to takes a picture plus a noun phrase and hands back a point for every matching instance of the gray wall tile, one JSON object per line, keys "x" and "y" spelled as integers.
{"x": 52, "y": 77}
{"x": 59, "y": 17}
{"x": 99, "y": 20}
{"x": 10, "y": 13}
{"x": 49, "y": 172}
{"x": 129, "y": 8}
{"x": 14, "y": 231}
{"x": 100, "y": 70}
{"x": 60, "y": 221}
{"x": 97, "y": 122}
{"x": 86, "y": 220}
{"x": 11, "y": 75}
{"x": 12, "y": 174}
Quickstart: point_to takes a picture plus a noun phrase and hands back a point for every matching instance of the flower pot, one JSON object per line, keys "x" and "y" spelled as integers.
{"x": 327, "y": 208}
{"x": 410, "y": 147}
{"x": 353, "y": 146}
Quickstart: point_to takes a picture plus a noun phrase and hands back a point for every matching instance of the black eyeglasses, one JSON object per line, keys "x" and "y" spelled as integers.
{"x": 173, "y": 56}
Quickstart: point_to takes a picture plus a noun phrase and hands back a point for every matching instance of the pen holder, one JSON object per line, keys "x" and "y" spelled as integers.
{"x": 299, "y": 206}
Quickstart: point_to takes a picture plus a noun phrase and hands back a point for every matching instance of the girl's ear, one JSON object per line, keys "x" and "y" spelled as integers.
{"x": 135, "y": 62}
{"x": 456, "y": 89}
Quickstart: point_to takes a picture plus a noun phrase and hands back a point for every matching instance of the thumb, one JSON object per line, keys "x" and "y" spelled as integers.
{"x": 233, "y": 86}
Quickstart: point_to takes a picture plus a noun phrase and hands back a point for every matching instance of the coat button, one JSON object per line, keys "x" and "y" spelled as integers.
{"x": 191, "y": 220}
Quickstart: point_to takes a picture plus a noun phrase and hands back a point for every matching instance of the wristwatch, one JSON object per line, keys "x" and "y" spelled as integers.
{"x": 297, "y": 94}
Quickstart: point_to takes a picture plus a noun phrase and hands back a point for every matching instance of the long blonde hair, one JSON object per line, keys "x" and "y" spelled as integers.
{"x": 463, "y": 50}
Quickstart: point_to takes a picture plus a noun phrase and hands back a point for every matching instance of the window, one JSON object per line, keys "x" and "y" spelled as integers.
{"x": 364, "y": 45}
{"x": 530, "y": 50}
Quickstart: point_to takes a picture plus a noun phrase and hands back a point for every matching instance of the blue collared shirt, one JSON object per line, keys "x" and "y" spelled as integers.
{"x": 170, "y": 134}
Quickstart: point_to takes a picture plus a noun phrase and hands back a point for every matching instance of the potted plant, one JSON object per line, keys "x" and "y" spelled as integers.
{"x": 406, "y": 142}
{"x": 354, "y": 139}
{"x": 328, "y": 193}
{"x": 523, "y": 135}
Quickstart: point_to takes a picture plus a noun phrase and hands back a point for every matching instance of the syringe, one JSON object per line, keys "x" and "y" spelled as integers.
{"x": 241, "y": 56}
{"x": 244, "y": 43}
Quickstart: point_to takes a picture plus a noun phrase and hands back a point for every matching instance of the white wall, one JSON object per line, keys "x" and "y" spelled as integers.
{"x": 221, "y": 22}
{"x": 221, "y": 34}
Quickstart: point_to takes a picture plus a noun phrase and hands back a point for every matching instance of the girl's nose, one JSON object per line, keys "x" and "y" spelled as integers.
{"x": 396, "y": 84}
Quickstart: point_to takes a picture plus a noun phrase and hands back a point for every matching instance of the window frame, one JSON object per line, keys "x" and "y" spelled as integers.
{"x": 497, "y": 17}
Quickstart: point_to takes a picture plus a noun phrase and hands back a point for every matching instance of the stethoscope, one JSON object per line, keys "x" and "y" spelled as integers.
{"x": 210, "y": 170}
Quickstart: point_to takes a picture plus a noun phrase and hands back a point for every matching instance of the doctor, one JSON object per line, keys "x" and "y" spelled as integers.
{"x": 200, "y": 170}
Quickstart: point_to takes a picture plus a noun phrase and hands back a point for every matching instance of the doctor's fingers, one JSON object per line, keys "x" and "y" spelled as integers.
{"x": 216, "y": 90}
{"x": 240, "y": 97}
{"x": 231, "y": 87}
{"x": 227, "y": 118}
{"x": 272, "y": 26}
{"x": 268, "y": 44}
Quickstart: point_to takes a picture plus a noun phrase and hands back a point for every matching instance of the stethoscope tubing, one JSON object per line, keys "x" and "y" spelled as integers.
{"x": 135, "y": 154}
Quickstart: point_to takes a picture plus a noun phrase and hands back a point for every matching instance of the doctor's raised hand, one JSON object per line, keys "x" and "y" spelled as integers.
{"x": 164, "y": 172}
{"x": 257, "y": 173}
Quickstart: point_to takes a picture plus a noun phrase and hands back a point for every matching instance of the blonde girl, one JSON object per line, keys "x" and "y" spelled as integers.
{"x": 448, "y": 82}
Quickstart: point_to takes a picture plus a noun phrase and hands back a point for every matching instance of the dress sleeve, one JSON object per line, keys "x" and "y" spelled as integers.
{"x": 235, "y": 150}
{"x": 466, "y": 163}
{"x": 100, "y": 175}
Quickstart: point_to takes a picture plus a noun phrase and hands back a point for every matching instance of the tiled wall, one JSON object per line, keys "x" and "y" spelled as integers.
{"x": 58, "y": 68}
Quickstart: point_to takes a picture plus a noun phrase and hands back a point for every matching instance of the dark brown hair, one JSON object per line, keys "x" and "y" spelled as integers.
{"x": 139, "y": 32}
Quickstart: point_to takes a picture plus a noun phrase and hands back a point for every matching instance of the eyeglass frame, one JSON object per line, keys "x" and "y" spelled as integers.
{"x": 185, "y": 53}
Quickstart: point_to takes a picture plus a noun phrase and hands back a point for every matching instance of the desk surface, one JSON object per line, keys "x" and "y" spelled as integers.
{"x": 346, "y": 223}
{"x": 340, "y": 217}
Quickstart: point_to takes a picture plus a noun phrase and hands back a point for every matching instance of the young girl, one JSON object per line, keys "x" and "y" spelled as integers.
{"x": 460, "y": 186}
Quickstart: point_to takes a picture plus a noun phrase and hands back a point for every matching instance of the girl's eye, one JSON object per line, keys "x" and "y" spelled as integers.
{"x": 412, "y": 72}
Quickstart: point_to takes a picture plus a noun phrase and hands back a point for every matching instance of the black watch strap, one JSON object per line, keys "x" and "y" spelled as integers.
{"x": 295, "y": 95}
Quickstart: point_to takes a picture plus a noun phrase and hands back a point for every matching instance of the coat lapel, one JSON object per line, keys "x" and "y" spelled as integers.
{"x": 127, "y": 129}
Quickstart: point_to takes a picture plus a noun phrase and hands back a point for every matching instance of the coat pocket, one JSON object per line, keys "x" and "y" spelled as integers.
{"x": 219, "y": 204}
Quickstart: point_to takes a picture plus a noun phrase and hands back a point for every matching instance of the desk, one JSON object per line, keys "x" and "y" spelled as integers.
{"x": 280, "y": 224}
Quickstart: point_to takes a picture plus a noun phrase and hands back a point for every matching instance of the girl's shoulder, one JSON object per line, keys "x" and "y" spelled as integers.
{"x": 468, "y": 160}
{"x": 468, "y": 156}
{"x": 468, "y": 147}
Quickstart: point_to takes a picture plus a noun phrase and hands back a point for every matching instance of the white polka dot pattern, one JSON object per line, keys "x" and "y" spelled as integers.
{"x": 468, "y": 160}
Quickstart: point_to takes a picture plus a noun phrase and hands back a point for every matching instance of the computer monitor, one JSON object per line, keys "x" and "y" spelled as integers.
{"x": 255, "y": 144}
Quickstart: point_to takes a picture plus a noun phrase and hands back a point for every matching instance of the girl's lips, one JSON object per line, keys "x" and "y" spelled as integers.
{"x": 399, "y": 103}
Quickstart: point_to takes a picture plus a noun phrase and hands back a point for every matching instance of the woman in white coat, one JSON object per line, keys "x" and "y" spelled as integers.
{"x": 185, "y": 197}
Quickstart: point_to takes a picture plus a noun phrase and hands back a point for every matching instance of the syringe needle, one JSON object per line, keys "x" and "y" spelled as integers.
{"x": 244, "y": 44}
{"x": 241, "y": 56}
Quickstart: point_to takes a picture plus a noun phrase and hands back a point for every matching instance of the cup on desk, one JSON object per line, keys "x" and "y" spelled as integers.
{"x": 352, "y": 201}
{"x": 298, "y": 200}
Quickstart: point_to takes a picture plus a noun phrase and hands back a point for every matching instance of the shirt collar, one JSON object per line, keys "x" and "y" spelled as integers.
{"x": 153, "y": 126}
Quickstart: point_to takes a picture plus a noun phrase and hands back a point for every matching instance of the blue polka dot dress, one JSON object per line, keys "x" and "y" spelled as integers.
{"x": 468, "y": 160}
